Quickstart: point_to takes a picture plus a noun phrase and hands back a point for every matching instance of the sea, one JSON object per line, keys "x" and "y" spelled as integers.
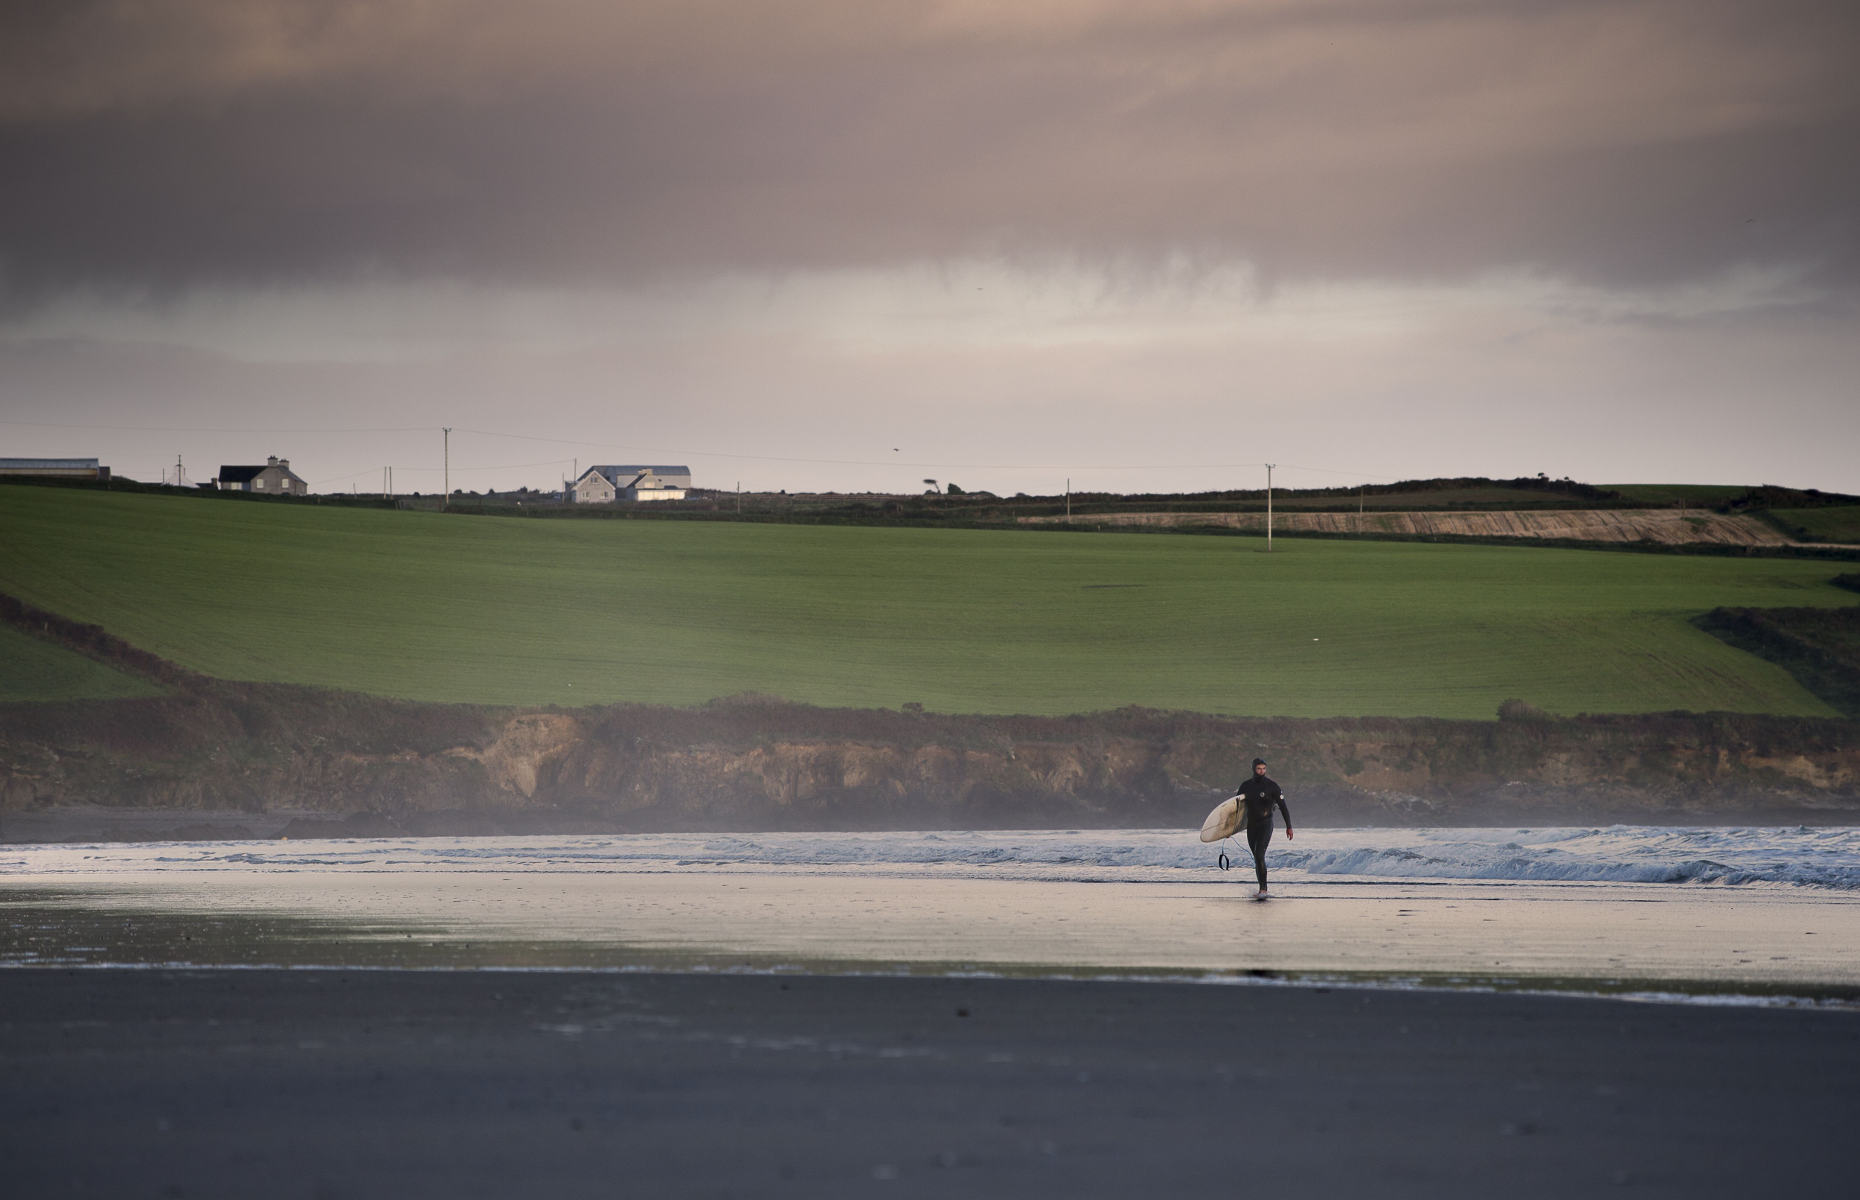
{"x": 1800, "y": 857}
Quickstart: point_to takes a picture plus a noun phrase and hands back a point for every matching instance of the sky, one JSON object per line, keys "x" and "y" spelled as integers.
{"x": 854, "y": 245}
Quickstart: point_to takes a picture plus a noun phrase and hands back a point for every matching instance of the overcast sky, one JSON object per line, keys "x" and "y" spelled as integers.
{"x": 852, "y": 244}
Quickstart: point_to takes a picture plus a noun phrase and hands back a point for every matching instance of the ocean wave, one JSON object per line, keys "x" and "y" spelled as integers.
{"x": 1823, "y": 858}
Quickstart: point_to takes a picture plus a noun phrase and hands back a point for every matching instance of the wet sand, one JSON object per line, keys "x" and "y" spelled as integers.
{"x": 335, "y": 1026}
{"x": 1562, "y": 936}
{"x": 335, "y": 1083}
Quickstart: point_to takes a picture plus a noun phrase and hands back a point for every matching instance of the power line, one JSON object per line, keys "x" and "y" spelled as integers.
{"x": 528, "y": 466}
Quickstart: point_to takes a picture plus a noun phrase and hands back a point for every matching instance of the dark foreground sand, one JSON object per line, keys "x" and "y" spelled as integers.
{"x": 335, "y": 1083}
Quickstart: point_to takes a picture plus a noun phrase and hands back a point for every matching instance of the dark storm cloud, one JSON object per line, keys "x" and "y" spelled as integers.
{"x": 158, "y": 146}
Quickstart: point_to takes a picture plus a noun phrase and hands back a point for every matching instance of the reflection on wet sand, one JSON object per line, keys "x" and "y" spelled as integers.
{"x": 1584, "y": 937}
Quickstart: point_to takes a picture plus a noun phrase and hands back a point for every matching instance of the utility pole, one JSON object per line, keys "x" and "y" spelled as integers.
{"x": 1068, "y": 500}
{"x": 445, "y": 499}
{"x": 1269, "y": 508}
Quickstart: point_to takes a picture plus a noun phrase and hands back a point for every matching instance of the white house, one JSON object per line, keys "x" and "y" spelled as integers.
{"x": 604, "y": 485}
{"x": 275, "y": 478}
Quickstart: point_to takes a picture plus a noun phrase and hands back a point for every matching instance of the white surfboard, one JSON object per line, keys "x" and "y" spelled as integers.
{"x": 1227, "y": 819}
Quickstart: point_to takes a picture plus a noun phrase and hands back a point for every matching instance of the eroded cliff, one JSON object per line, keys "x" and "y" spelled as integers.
{"x": 367, "y": 765}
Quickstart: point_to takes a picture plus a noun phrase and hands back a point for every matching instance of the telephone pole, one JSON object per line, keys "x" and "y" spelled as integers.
{"x": 1269, "y": 508}
{"x": 445, "y": 499}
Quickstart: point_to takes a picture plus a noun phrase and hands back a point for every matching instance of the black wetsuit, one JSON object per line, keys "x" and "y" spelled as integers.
{"x": 1259, "y": 794}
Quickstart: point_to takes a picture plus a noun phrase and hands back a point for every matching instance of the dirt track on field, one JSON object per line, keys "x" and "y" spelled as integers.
{"x": 1668, "y": 526}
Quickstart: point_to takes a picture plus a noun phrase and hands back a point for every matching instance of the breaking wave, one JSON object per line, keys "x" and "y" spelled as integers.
{"x": 1822, "y": 858}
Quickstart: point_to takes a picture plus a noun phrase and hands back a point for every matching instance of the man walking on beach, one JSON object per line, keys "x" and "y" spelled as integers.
{"x": 1259, "y": 794}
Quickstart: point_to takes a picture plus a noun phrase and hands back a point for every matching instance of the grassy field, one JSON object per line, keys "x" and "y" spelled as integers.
{"x": 1692, "y": 495}
{"x": 31, "y": 669}
{"x": 1836, "y": 523}
{"x": 453, "y": 608}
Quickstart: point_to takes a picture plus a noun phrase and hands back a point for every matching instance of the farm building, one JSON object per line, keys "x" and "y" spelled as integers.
{"x": 275, "y": 478}
{"x": 604, "y": 485}
{"x": 54, "y": 468}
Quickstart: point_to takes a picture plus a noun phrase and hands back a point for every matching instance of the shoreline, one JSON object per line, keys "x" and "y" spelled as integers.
{"x": 1015, "y": 1015}
{"x": 1703, "y": 944}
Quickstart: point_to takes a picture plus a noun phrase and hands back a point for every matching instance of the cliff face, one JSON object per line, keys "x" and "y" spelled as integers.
{"x": 372, "y": 765}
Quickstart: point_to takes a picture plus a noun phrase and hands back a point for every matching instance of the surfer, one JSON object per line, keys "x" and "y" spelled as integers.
{"x": 1259, "y": 794}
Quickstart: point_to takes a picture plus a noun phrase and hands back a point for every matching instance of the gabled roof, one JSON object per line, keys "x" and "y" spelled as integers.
{"x": 621, "y": 476}
{"x": 245, "y": 474}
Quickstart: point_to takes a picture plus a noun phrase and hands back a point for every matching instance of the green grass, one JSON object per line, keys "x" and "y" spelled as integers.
{"x": 452, "y": 608}
{"x": 31, "y": 669}
{"x": 1694, "y": 495}
{"x": 1820, "y": 647}
{"x": 1836, "y": 523}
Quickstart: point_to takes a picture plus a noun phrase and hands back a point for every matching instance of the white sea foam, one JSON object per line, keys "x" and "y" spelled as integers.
{"x": 1800, "y": 857}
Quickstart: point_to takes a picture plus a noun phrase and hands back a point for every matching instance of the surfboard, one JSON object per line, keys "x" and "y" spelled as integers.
{"x": 1227, "y": 819}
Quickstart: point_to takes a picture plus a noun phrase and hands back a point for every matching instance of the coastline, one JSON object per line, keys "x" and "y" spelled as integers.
{"x": 682, "y": 904}
{"x": 572, "y": 1017}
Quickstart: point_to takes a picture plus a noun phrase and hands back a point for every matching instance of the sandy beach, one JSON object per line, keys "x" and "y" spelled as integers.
{"x": 462, "y": 1017}
{"x": 1003, "y": 903}
{"x": 1570, "y": 935}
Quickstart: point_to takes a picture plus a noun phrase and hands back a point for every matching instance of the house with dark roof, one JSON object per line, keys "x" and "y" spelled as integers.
{"x": 607, "y": 484}
{"x": 275, "y": 478}
{"x": 55, "y": 468}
